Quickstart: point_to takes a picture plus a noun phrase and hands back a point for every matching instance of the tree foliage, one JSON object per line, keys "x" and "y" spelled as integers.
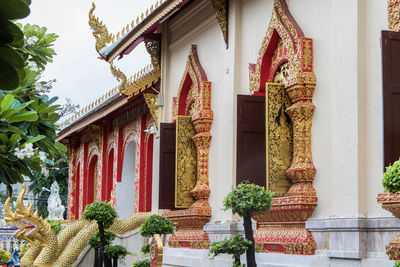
{"x": 234, "y": 246}
{"x": 141, "y": 263}
{"x": 101, "y": 212}
{"x": 156, "y": 224}
{"x": 94, "y": 241}
{"x": 55, "y": 226}
{"x": 145, "y": 249}
{"x": 116, "y": 251}
{"x": 27, "y": 115}
{"x": 391, "y": 177}
{"x": 247, "y": 199}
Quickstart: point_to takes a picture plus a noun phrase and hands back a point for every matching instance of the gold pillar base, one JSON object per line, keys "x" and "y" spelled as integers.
{"x": 285, "y": 238}
{"x": 189, "y": 226}
{"x": 391, "y": 203}
{"x": 282, "y": 229}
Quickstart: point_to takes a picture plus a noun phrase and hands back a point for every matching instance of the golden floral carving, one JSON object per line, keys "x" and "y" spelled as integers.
{"x": 279, "y": 138}
{"x": 186, "y": 162}
{"x": 153, "y": 47}
{"x": 151, "y": 102}
{"x": 96, "y": 133}
{"x": 156, "y": 251}
{"x": 394, "y": 15}
{"x": 221, "y": 12}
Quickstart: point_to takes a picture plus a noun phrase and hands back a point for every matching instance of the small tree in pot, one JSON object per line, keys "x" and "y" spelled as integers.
{"x": 94, "y": 242}
{"x": 104, "y": 214}
{"x": 234, "y": 246}
{"x": 247, "y": 200}
{"x": 115, "y": 252}
{"x": 156, "y": 224}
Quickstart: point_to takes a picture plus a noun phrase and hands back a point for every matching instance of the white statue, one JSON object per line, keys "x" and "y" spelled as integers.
{"x": 54, "y": 206}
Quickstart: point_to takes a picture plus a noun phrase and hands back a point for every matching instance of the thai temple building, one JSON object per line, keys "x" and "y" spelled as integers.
{"x": 299, "y": 96}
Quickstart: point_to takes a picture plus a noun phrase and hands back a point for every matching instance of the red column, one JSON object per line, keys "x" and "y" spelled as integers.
{"x": 104, "y": 158}
{"x": 142, "y": 171}
{"x": 85, "y": 177}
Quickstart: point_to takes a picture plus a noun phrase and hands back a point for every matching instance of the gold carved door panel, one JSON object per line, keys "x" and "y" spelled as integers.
{"x": 186, "y": 162}
{"x": 279, "y": 138}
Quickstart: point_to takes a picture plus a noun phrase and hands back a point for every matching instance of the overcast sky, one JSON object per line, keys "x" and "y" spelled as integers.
{"x": 80, "y": 75}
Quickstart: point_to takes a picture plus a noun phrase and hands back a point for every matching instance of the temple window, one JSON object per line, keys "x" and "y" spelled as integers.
{"x": 391, "y": 95}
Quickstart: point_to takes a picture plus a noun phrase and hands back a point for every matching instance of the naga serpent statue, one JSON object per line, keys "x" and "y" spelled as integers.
{"x": 48, "y": 249}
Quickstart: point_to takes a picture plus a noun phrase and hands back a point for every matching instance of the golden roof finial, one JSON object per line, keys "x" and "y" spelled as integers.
{"x": 100, "y": 31}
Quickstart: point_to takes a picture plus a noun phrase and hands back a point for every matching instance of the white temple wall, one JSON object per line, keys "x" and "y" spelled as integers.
{"x": 346, "y": 133}
{"x": 206, "y": 34}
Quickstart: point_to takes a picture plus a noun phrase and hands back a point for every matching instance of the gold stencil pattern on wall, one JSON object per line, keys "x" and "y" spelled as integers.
{"x": 186, "y": 162}
{"x": 279, "y": 134}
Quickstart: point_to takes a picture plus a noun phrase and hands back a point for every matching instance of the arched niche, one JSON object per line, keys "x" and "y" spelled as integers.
{"x": 194, "y": 100}
{"x": 92, "y": 180}
{"x": 125, "y": 189}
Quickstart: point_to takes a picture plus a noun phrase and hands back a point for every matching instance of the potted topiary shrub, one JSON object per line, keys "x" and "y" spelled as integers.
{"x": 234, "y": 246}
{"x": 141, "y": 263}
{"x": 247, "y": 200}
{"x": 94, "y": 242}
{"x": 390, "y": 201}
{"x": 116, "y": 253}
{"x": 153, "y": 227}
{"x": 104, "y": 214}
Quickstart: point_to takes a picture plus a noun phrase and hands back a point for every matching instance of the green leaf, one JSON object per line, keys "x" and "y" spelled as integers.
{"x": 3, "y": 138}
{"x": 14, "y": 139}
{"x": 16, "y": 130}
{"x": 25, "y": 116}
{"x": 60, "y": 147}
{"x": 9, "y": 78}
{"x": 10, "y": 33}
{"x": 35, "y": 139}
{"x": 11, "y": 56}
{"x": 13, "y": 9}
{"x": 6, "y": 102}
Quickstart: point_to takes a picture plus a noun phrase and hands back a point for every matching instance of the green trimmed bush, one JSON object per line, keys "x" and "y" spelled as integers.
{"x": 102, "y": 212}
{"x": 156, "y": 224}
{"x": 56, "y": 226}
{"x": 247, "y": 200}
{"x": 141, "y": 263}
{"x": 234, "y": 246}
{"x": 391, "y": 177}
{"x": 145, "y": 249}
{"x": 94, "y": 241}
